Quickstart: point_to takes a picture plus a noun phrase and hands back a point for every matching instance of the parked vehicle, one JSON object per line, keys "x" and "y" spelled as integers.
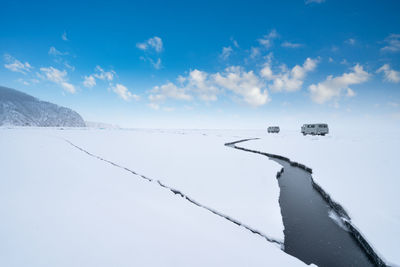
{"x": 273, "y": 129}
{"x": 315, "y": 129}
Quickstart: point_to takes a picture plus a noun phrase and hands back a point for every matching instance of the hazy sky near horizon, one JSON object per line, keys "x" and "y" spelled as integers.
{"x": 207, "y": 64}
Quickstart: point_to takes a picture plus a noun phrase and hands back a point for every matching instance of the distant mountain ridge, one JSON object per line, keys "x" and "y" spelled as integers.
{"x": 20, "y": 109}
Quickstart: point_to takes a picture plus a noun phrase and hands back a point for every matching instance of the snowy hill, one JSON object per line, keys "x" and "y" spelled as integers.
{"x": 20, "y": 109}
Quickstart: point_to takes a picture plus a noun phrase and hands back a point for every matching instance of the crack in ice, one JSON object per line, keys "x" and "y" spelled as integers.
{"x": 184, "y": 196}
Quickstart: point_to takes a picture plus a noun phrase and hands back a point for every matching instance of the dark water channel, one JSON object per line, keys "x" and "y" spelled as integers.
{"x": 311, "y": 234}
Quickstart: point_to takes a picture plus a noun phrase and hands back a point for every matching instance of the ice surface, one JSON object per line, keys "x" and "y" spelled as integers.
{"x": 62, "y": 207}
{"x": 234, "y": 183}
{"x": 359, "y": 171}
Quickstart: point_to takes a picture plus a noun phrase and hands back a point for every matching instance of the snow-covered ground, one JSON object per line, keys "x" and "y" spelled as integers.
{"x": 63, "y": 207}
{"x": 359, "y": 171}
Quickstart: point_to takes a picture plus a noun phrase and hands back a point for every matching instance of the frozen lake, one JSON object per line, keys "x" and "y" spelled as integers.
{"x": 102, "y": 209}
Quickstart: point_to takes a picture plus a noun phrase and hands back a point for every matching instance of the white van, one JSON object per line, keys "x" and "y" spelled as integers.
{"x": 273, "y": 129}
{"x": 315, "y": 129}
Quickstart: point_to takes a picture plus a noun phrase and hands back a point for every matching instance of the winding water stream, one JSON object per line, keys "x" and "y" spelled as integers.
{"x": 311, "y": 234}
{"x": 314, "y": 232}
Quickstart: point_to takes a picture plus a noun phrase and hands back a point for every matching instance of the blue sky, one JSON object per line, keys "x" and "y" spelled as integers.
{"x": 207, "y": 64}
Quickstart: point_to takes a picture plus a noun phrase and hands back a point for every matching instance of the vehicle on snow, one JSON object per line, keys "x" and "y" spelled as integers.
{"x": 315, "y": 129}
{"x": 273, "y": 129}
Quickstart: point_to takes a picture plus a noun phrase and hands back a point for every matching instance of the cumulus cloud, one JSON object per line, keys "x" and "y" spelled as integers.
{"x": 89, "y": 81}
{"x": 68, "y": 87}
{"x": 197, "y": 83}
{"x": 202, "y": 84}
{"x": 99, "y": 74}
{"x": 266, "y": 41}
{"x": 392, "y": 43}
{"x": 168, "y": 90}
{"x": 390, "y": 75}
{"x": 242, "y": 83}
{"x": 108, "y": 76}
{"x": 291, "y": 45}
{"x": 333, "y": 87}
{"x": 155, "y": 43}
{"x": 288, "y": 79}
{"x": 104, "y": 75}
{"x": 226, "y": 52}
{"x": 59, "y": 77}
{"x": 247, "y": 85}
{"x": 123, "y": 92}
{"x": 16, "y": 65}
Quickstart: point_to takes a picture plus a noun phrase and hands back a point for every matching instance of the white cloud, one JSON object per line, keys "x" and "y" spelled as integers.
{"x": 100, "y": 74}
{"x": 54, "y": 75}
{"x": 168, "y": 90}
{"x": 226, "y": 52}
{"x": 154, "y": 43}
{"x": 141, "y": 46}
{"x": 68, "y": 87}
{"x": 288, "y": 80}
{"x": 254, "y": 52}
{"x": 200, "y": 83}
{"x": 291, "y": 45}
{"x": 123, "y": 92}
{"x": 392, "y": 43}
{"x": 157, "y": 64}
{"x": 245, "y": 84}
{"x": 16, "y": 65}
{"x": 266, "y": 41}
{"x": 58, "y": 77}
{"x": 54, "y": 52}
{"x": 89, "y": 81}
{"x": 104, "y": 75}
{"x": 390, "y": 75}
{"x": 314, "y": 1}
{"x": 64, "y": 36}
{"x": 350, "y": 41}
{"x": 332, "y": 87}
